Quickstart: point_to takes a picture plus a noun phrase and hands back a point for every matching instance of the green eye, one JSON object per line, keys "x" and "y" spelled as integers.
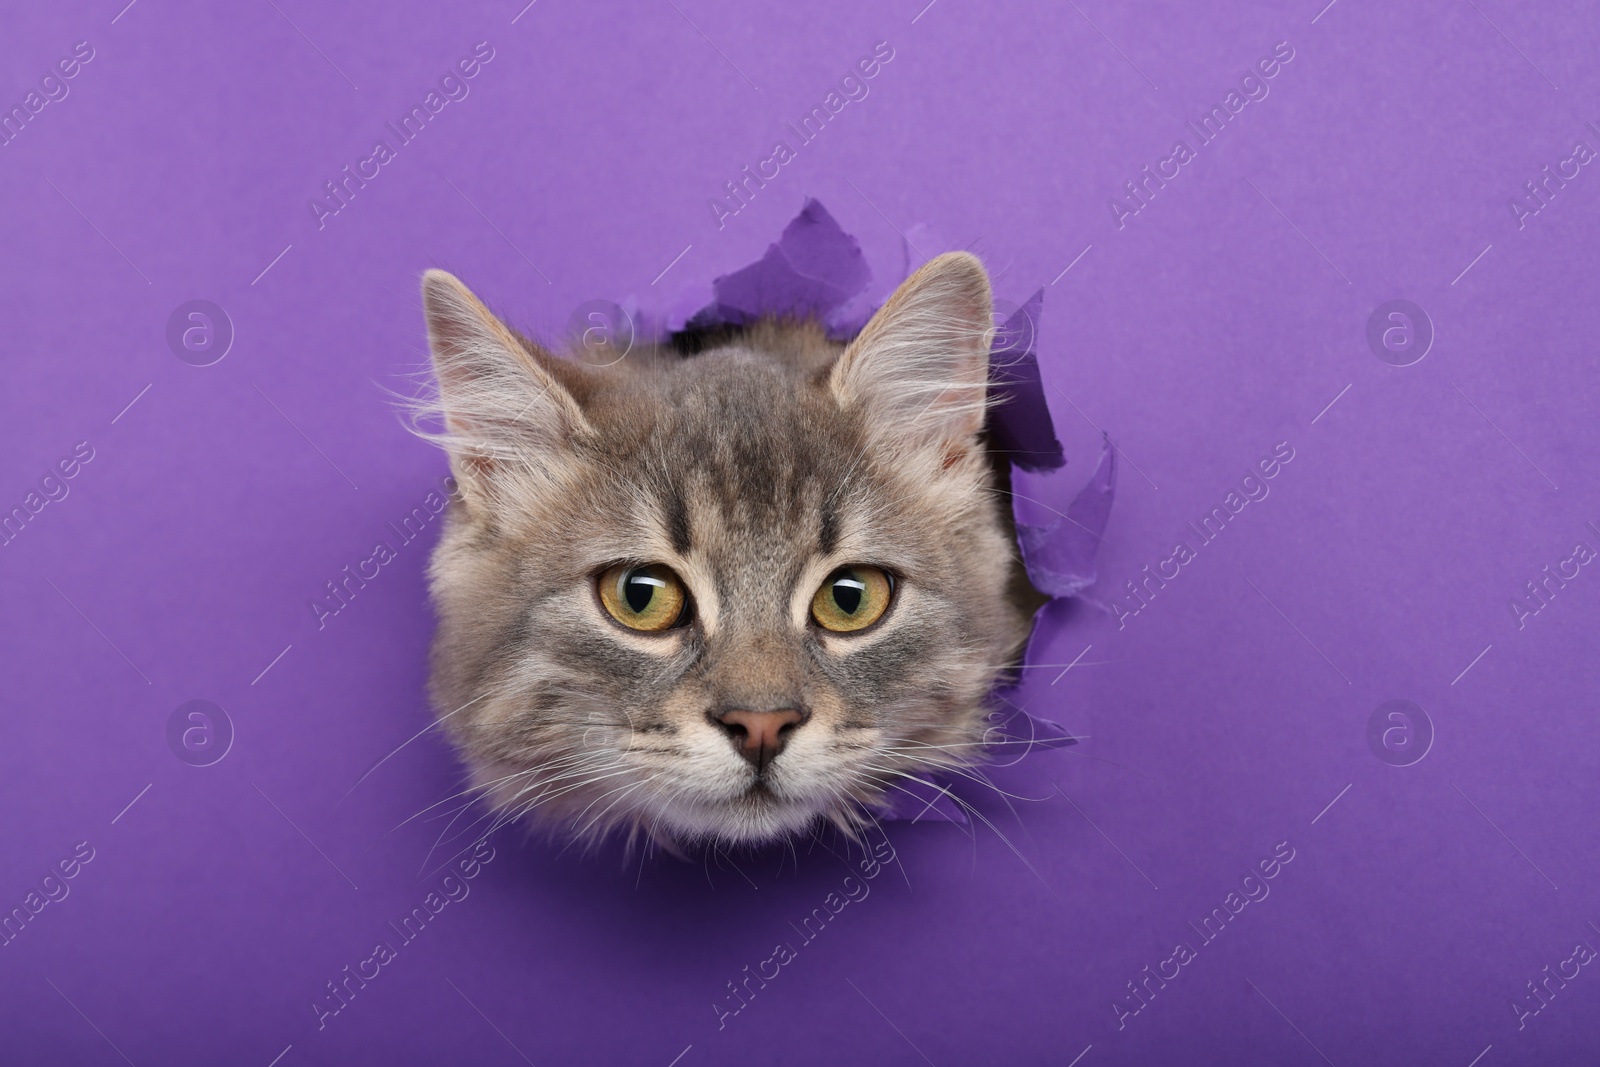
{"x": 852, "y": 598}
{"x": 648, "y": 597}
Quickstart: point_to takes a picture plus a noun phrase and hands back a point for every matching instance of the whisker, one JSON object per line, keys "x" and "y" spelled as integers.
{"x": 403, "y": 744}
{"x": 976, "y": 814}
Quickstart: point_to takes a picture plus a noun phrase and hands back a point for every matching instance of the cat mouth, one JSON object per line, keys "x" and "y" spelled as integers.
{"x": 763, "y": 795}
{"x": 771, "y": 799}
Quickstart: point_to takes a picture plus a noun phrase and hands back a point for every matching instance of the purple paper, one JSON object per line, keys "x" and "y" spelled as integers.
{"x": 1323, "y": 273}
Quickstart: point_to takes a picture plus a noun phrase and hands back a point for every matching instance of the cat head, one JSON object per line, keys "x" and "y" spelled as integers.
{"x": 721, "y": 596}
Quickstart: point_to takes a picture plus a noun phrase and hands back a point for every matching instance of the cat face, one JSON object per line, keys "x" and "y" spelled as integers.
{"x": 718, "y": 597}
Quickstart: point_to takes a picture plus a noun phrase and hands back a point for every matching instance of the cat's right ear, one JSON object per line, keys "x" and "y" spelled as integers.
{"x": 919, "y": 370}
{"x": 506, "y": 415}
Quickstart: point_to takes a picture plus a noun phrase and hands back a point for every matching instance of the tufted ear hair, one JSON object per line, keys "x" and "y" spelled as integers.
{"x": 507, "y": 414}
{"x": 919, "y": 372}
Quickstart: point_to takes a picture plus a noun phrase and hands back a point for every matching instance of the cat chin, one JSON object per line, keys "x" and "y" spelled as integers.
{"x": 754, "y": 819}
{"x": 747, "y": 817}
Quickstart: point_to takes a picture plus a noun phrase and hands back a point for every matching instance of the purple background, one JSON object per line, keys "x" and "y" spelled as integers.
{"x": 1227, "y": 716}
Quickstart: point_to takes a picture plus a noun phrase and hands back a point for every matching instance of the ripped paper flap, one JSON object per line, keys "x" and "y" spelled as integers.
{"x": 1019, "y": 420}
{"x": 814, "y": 270}
{"x": 1059, "y": 545}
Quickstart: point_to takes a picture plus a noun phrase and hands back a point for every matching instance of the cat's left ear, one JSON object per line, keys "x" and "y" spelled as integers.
{"x": 919, "y": 372}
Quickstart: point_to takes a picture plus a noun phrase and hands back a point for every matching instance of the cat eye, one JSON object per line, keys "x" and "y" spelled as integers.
{"x": 648, "y": 597}
{"x": 852, "y": 598}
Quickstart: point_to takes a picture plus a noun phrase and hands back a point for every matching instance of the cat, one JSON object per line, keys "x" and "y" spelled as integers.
{"x": 721, "y": 597}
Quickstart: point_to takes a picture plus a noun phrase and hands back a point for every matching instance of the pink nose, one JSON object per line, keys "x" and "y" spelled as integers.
{"x": 759, "y": 735}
